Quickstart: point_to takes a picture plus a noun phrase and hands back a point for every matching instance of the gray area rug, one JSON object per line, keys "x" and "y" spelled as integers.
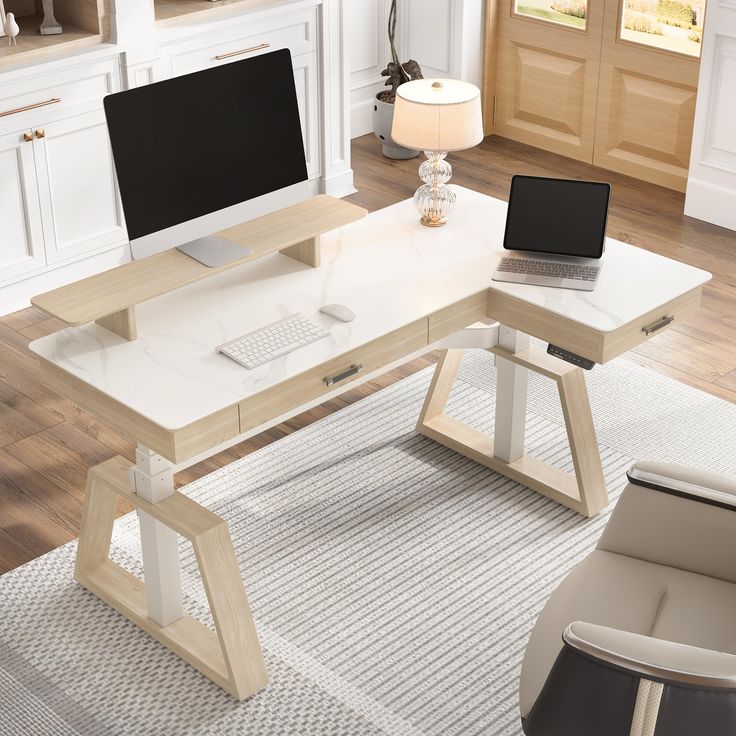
{"x": 394, "y": 583}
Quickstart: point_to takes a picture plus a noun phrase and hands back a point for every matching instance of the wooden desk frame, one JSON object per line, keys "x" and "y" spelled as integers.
{"x": 231, "y": 657}
{"x": 584, "y": 492}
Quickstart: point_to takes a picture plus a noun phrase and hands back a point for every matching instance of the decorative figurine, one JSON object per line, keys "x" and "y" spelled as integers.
{"x": 11, "y": 29}
{"x": 50, "y": 25}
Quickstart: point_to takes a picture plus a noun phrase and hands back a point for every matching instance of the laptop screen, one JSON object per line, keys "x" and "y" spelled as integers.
{"x": 557, "y": 216}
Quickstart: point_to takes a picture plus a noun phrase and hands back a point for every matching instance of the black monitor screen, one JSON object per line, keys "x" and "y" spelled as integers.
{"x": 560, "y": 216}
{"x": 196, "y": 144}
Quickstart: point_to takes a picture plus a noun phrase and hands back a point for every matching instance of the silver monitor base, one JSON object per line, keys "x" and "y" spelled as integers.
{"x": 214, "y": 251}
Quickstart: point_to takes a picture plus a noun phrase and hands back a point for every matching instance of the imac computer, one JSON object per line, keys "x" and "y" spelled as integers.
{"x": 205, "y": 151}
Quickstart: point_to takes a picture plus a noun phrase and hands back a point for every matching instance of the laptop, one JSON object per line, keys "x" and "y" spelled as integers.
{"x": 555, "y": 232}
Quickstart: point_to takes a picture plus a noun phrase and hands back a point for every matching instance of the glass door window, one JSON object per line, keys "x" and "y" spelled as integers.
{"x": 564, "y": 12}
{"x": 671, "y": 25}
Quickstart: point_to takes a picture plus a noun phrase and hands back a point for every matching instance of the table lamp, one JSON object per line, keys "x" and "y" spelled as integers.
{"x": 436, "y": 116}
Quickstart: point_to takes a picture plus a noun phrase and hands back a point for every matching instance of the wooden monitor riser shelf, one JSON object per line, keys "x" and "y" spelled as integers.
{"x": 110, "y": 298}
{"x": 414, "y": 289}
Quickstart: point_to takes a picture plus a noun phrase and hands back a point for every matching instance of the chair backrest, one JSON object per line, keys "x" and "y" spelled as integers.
{"x": 676, "y": 517}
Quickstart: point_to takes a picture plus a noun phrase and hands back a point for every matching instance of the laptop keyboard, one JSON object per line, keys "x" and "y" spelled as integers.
{"x": 554, "y": 269}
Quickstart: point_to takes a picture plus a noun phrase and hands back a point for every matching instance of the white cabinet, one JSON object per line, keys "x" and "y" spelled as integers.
{"x": 80, "y": 206}
{"x": 294, "y": 30}
{"x": 58, "y": 192}
{"x": 21, "y": 236}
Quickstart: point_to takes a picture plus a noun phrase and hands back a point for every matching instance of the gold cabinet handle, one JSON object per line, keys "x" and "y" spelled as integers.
{"x": 40, "y": 133}
{"x": 27, "y": 137}
{"x": 260, "y": 46}
{"x": 354, "y": 368}
{"x": 52, "y": 101}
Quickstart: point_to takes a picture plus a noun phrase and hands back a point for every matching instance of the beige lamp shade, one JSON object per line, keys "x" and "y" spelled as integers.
{"x": 437, "y": 115}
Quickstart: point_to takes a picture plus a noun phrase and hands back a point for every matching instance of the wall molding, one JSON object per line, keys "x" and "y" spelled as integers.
{"x": 444, "y": 36}
{"x": 711, "y": 186}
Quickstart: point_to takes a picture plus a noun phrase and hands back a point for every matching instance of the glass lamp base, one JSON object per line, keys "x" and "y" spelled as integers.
{"x": 434, "y": 199}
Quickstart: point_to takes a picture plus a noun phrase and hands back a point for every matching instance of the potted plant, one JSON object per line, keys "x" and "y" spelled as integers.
{"x": 383, "y": 104}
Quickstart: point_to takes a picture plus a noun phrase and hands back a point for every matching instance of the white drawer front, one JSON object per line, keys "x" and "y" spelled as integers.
{"x": 294, "y": 31}
{"x": 39, "y": 99}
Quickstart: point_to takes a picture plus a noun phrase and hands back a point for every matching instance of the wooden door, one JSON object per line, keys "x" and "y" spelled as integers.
{"x": 80, "y": 204}
{"x": 547, "y": 76}
{"x": 21, "y": 234}
{"x": 647, "y": 91}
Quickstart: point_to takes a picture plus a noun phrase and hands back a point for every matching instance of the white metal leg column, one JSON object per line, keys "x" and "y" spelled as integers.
{"x": 511, "y": 390}
{"x": 152, "y": 478}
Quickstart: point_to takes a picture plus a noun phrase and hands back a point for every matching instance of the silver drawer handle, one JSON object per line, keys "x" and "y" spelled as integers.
{"x": 657, "y": 325}
{"x": 52, "y": 101}
{"x": 355, "y": 368}
{"x": 260, "y": 46}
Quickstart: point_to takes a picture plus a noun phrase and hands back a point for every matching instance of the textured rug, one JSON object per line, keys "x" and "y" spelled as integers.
{"x": 394, "y": 583}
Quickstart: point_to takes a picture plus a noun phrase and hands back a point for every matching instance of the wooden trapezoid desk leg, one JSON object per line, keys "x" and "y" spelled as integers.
{"x": 231, "y": 655}
{"x": 584, "y": 492}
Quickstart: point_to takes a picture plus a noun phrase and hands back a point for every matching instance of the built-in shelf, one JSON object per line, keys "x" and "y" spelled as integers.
{"x": 83, "y": 23}
{"x": 170, "y": 11}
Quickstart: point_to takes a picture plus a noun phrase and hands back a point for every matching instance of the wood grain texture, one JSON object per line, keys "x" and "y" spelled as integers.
{"x": 32, "y": 45}
{"x": 307, "y": 252}
{"x": 457, "y": 316}
{"x": 646, "y": 107}
{"x": 310, "y": 384}
{"x": 232, "y": 657}
{"x": 585, "y": 492}
{"x": 439, "y": 389}
{"x": 138, "y": 281}
{"x": 231, "y": 612}
{"x": 38, "y": 515}
{"x": 121, "y": 323}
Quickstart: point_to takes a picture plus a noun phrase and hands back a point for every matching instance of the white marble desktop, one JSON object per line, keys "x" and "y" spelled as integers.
{"x": 387, "y": 268}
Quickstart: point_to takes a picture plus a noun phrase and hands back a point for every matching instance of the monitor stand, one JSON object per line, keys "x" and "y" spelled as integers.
{"x": 214, "y": 251}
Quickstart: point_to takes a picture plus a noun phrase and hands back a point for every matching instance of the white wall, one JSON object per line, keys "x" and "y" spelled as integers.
{"x": 444, "y": 36}
{"x": 711, "y": 186}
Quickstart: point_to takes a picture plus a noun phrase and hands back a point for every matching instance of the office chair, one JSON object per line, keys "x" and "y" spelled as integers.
{"x": 640, "y": 638}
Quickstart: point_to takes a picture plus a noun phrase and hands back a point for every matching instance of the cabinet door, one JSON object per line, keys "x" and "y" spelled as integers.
{"x": 79, "y": 196}
{"x": 307, "y": 93}
{"x": 21, "y": 236}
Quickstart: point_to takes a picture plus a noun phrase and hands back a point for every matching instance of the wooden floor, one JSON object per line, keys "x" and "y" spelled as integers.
{"x": 47, "y": 443}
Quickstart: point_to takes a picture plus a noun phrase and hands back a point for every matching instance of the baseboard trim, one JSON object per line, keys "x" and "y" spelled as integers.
{"x": 711, "y": 203}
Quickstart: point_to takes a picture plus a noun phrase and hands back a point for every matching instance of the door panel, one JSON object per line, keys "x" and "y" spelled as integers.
{"x": 21, "y": 237}
{"x": 79, "y": 197}
{"x": 646, "y": 106}
{"x": 546, "y": 88}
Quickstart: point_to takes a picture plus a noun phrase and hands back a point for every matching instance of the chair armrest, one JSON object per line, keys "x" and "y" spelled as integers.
{"x": 651, "y": 658}
{"x": 677, "y": 480}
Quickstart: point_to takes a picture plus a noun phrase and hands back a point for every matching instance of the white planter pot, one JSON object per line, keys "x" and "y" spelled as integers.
{"x": 383, "y": 117}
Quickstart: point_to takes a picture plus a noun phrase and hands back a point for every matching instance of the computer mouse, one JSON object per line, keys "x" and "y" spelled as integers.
{"x": 338, "y": 311}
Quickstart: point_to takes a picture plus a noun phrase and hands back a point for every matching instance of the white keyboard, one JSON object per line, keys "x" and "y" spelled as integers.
{"x": 272, "y": 341}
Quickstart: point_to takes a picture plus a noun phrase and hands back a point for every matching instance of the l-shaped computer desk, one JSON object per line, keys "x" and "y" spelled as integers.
{"x": 141, "y": 356}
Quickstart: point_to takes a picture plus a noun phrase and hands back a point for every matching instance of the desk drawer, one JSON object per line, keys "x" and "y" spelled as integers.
{"x": 650, "y": 325}
{"x": 294, "y": 31}
{"x": 310, "y": 385}
{"x": 586, "y": 341}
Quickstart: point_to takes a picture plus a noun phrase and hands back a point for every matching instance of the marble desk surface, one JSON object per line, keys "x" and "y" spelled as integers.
{"x": 387, "y": 268}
